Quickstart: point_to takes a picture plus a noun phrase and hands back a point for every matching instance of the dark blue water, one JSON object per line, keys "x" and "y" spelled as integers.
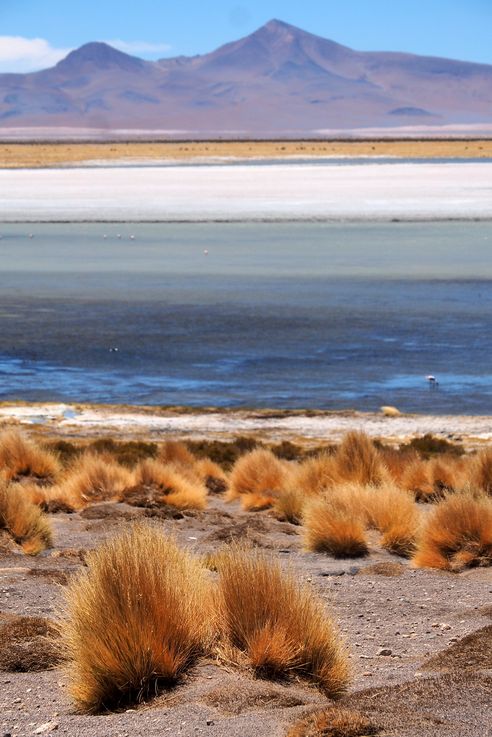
{"x": 290, "y": 315}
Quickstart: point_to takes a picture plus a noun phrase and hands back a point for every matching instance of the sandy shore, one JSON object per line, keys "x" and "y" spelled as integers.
{"x": 303, "y": 427}
{"x": 33, "y": 155}
{"x": 245, "y": 192}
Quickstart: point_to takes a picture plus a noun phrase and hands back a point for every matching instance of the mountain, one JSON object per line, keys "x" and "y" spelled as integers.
{"x": 277, "y": 81}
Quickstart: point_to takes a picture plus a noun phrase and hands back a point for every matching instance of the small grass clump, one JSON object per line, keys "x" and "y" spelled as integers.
{"x": 359, "y": 461}
{"x": 135, "y": 621}
{"x": 334, "y": 524}
{"x": 289, "y": 506}
{"x": 457, "y": 534}
{"x": 257, "y": 479}
{"x": 393, "y": 512}
{"x": 20, "y": 456}
{"x": 27, "y": 644}
{"x": 165, "y": 485}
{"x": 315, "y": 475}
{"x": 334, "y": 722}
{"x": 94, "y": 478}
{"x": 23, "y": 520}
{"x": 428, "y": 445}
{"x": 279, "y": 625}
{"x": 481, "y": 471}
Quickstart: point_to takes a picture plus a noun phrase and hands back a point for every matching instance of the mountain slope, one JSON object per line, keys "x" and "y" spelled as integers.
{"x": 278, "y": 79}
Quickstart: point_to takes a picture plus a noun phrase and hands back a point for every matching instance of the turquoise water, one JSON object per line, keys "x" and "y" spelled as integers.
{"x": 278, "y": 315}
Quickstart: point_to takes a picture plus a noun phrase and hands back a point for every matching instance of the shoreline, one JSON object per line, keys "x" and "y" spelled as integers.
{"x": 307, "y": 427}
{"x": 28, "y": 154}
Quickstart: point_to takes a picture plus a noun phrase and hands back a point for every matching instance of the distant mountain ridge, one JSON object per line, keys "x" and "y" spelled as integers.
{"x": 277, "y": 80}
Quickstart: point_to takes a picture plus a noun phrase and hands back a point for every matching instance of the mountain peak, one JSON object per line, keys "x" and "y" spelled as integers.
{"x": 100, "y": 55}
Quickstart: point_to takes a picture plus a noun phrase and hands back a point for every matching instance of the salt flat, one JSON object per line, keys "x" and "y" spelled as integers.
{"x": 324, "y": 191}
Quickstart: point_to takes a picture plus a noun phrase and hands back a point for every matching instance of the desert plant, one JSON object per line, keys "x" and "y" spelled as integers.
{"x": 94, "y": 478}
{"x": 21, "y": 456}
{"x": 289, "y": 505}
{"x": 418, "y": 479}
{"x": 135, "y": 620}
{"x": 315, "y": 475}
{"x": 481, "y": 471}
{"x": 169, "y": 485}
{"x": 393, "y": 512}
{"x": 23, "y": 520}
{"x": 280, "y": 624}
{"x": 333, "y": 722}
{"x": 457, "y": 533}
{"x": 258, "y": 475}
{"x": 334, "y": 523}
{"x": 358, "y": 460}
{"x": 172, "y": 451}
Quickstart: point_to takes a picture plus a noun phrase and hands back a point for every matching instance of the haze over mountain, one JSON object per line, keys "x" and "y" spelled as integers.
{"x": 277, "y": 81}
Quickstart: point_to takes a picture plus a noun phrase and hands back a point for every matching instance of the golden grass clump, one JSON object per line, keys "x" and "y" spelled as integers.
{"x": 315, "y": 475}
{"x": 135, "y": 620}
{"x": 418, "y": 479}
{"x": 394, "y": 513}
{"x": 94, "y": 478}
{"x": 172, "y": 487}
{"x": 278, "y": 623}
{"x": 457, "y": 534}
{"x": 334, "y": 523}
{"x": 175, "y": 452}
{"x": 23, "y": 520}
{"x": 358, "y": 460}
{"x": 481, "y": 471}
{"x": 289, "y": 506}
{"x": 21, "y": 456}
{"x": 334, "y": 722}
{"x": 257, "y": 478}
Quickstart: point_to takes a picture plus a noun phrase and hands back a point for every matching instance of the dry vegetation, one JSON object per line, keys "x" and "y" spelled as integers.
{"x": 158, "y": 603}
{"x": 280, "y": 625}
{"x": 335, "y": 495}
{"x": 334, "y": 722}
{"x": 45, "y": 154}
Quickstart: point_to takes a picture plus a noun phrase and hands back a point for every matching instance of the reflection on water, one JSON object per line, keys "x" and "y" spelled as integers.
{"x": 297, "y": 315}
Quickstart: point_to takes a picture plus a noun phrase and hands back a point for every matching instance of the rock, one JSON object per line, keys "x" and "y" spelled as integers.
{"x": 210, "y": 722}
{"x": 384, "y": 651}
{"x": 389, "y": 411}
{"x": 46, "y": 727}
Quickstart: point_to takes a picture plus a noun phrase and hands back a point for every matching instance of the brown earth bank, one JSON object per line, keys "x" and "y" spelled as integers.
{"x": 419, "y": 640}
{"x": 39, "y": 155}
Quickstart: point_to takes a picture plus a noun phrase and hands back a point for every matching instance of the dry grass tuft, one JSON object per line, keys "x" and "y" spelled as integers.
{"x": 27, "y": 644}
{"x": 23, "y": 520}
{"x": 280, "y": 625}
{"x": 481, "y": 471}
{"x": 176, "y": 453}
{"x": 289, "y": 506}
{"x": 457, "y": 534}
{"x": 135, "y": 620}
{"x": 166, "y": 485}
{"x": 334, "y": 524}
{"x": 393, "y": 512}
{"x": 94, "y": 478}
{"x": 334, "y": 722}
{"x": 418, "y": 479}
{"x": 358, "y": 460}
{"x": 315, "y": 475}
{"x": 258, "y": 474}
{"x": 20, "y": 456}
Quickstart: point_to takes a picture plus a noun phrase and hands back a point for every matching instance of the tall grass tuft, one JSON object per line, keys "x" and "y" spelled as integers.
{"x": 279, "y": 624}
{"x": 23, "y": 520}
{"x": 171, "y": 486}
{"x": 94, "y": 478}
{"x": 358, "y": 460}
{"x": 394, "y": 513}
{"x": 135, "y": 620}
{"x": 334, "y": 523}
{"x": 21, "y": 456}
{"x": 457, "y": 534}
{"x": 257, "y": 478}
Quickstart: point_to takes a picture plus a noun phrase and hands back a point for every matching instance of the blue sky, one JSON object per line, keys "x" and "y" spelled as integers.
{"x": 36, "y": 33}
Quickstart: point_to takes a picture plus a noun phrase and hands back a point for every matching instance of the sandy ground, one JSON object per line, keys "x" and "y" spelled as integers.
{"x": 32, "y": 155}
{"x": 414, "y": 614}
{"x": 242, "y": 192}
{"x": 311, "y": 427}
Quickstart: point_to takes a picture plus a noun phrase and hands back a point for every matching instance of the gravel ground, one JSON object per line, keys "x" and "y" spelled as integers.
{"x": 380, "y": 602}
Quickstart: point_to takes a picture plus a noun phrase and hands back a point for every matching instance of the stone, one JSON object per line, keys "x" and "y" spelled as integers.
{"x": 384, "y": 651}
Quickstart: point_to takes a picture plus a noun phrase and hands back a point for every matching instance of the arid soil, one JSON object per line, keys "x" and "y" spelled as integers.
{"x": 420, "y": 640}
{"x": 15, "y": 155}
